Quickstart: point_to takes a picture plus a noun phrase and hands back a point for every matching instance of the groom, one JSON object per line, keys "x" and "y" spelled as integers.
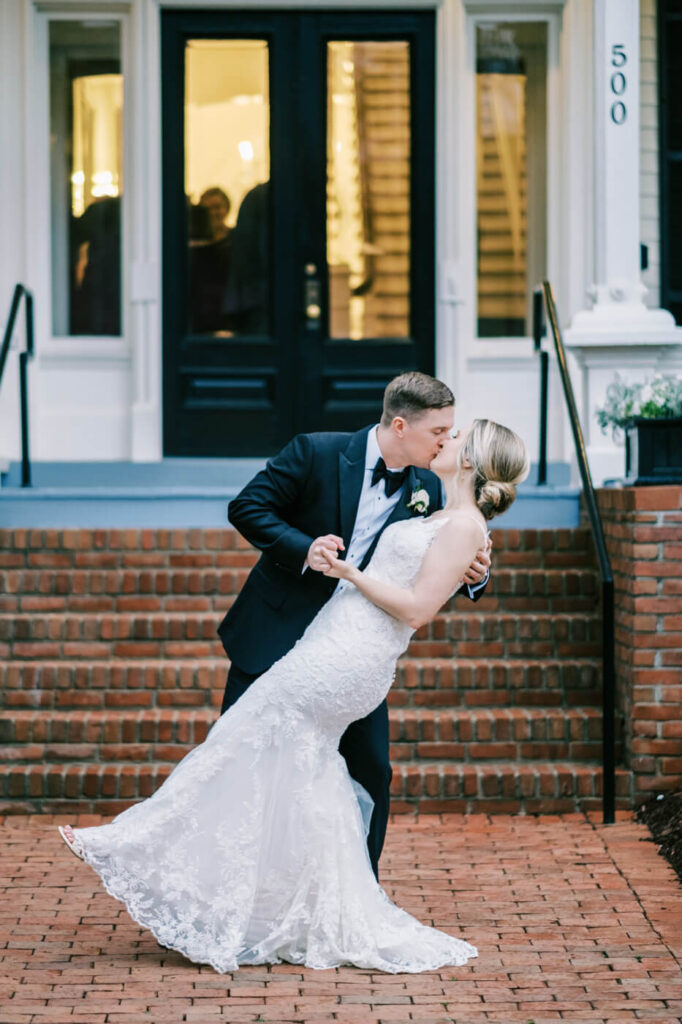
{"x": 353, "y": 485}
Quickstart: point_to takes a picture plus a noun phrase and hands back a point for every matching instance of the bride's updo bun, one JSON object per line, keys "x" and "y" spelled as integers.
{"x": 499, "y": 461}
{"x": 494, "y": 497}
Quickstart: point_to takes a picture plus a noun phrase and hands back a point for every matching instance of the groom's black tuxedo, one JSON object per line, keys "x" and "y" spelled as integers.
{"x": 310, "y": 489}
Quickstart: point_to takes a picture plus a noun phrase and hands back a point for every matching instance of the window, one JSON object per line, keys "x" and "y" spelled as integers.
{"x": 227, "y": 185}
{"x": 86, "y": 171}
{"x": 511, "y": 101}
{"x": 368, "y": 189}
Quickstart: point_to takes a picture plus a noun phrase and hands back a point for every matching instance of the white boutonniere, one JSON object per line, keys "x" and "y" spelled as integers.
{"x": 419, "y": 502}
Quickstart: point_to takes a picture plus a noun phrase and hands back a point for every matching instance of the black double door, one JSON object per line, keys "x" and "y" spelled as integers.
{"x": 298, "y": 221}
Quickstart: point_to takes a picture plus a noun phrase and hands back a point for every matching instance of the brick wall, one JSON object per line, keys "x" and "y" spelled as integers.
{"x": 643, "y": 527}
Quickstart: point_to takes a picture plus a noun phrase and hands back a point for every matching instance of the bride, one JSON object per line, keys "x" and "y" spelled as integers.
{"x": 253, "y": 850}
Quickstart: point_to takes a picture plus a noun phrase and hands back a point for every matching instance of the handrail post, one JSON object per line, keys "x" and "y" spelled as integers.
{"x": 19, "y": 292}
{"x": 538, "y": 332}
{"x": 23, "y": 390}
{"x": 544, "y": 383}
{"x": 538, "y": 326}
{"x": 609, "y": 703}
{"x": 29, "y": 323}
{"x": 23, "y": 385}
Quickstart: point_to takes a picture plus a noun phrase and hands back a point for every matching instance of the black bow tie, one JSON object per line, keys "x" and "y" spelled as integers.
{"x": 393, "y": 480}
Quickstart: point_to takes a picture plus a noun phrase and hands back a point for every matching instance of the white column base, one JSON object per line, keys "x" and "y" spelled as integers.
{"x": 625, "y": 338}
{"x": 146, "y": 443}
{"x": 626, "y": 319}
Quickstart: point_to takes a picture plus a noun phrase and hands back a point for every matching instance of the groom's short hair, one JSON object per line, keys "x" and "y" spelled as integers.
{"x": 412, "y": 394}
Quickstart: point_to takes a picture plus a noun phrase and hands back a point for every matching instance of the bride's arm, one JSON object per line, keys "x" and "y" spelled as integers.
{"x": 444, "y": 565}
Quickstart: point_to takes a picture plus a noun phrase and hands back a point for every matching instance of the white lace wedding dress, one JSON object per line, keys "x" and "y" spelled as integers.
{"x": 253, "y": 850}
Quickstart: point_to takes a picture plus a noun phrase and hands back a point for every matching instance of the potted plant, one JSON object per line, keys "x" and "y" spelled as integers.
{"x": 649, "y": 414}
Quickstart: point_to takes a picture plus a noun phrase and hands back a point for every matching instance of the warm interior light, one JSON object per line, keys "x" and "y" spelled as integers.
{"x": 227, "y": 118}
{"x": 97, "y": 145}
{"x": 368, "y": 184}
{"x": 104, "y": 184}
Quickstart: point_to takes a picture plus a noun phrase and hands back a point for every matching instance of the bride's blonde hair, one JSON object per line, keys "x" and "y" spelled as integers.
{"x": 499, "y": 460}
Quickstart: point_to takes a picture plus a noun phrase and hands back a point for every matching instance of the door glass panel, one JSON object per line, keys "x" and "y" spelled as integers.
{"x": 511, "y": 64}
{"x": 368, "y": 189}
{"x": 227, "y": 170}
{"x": 86, "y": 177}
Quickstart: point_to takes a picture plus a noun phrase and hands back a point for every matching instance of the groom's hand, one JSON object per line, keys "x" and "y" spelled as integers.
{"x": 322, "y": 551}
{"x": 480, "y": 566}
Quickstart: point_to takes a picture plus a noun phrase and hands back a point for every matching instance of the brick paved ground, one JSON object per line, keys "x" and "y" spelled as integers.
{"x": 573, "y": 921}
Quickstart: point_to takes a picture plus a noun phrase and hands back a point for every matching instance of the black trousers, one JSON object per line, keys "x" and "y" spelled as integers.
{"x": 364, "y": 745}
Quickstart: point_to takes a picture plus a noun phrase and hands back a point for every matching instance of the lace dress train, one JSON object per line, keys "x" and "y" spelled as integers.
{"x": 254, "y": 849}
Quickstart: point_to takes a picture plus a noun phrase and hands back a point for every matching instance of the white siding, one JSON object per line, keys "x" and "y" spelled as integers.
{"x": 648, "y": 170}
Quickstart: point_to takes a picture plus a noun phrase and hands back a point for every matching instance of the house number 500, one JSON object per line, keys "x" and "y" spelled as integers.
{"x": 618, "y": 83}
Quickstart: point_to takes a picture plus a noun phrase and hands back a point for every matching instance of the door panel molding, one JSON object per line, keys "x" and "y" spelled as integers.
{"x": 301, "y": 5}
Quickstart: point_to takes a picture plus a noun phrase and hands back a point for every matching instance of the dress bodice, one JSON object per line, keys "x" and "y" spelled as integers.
{"x": 401, "y": 549}
{"x": 363, "y": 629}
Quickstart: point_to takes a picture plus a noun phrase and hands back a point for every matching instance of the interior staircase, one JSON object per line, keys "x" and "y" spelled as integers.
{"x": 112, "y": 670}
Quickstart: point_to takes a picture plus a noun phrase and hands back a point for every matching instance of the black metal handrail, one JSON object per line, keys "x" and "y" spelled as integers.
{"x": 544, "y": 295}
{"x": 21, "y": 292}
{"x": 544, "y": 382}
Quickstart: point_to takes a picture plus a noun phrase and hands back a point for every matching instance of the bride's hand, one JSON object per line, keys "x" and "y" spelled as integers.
{"x": 480, "y": 566}
{"x": 337, "y": 568}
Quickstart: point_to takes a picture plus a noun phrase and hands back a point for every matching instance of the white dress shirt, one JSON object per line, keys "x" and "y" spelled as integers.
{"x": 374, "y": 506}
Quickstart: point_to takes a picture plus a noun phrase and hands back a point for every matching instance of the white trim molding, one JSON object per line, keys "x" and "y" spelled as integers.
{"x": 13, "y": 197}
{"x": 305, "y": 5}
{"x": 93, "y": 374}
{"x": 619, "y": 333}
{"x": 498, "y": 377}
{"x": 505, "y": 9}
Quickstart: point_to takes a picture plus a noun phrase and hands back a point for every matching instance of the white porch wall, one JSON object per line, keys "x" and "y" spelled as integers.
{"x": 79, "y": 388}
{"x": 12, "y": 206}
{"x": 82, "y": 407}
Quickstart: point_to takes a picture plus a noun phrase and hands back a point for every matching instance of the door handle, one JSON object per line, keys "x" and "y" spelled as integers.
{"x": 312, "y": 296}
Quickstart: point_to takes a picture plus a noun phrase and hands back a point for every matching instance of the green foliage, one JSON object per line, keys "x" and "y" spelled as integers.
{"x": 658, "y": 398}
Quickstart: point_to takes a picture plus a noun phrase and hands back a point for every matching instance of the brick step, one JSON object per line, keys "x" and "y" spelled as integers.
{"x": 580, "y": 640}
{"x": 502, "y": 787}
{"x": 416, "y": 735}
{"x": 181, "y": 683}
{"x": 485, "y": 682}
{"x": 466, "y": 624}
{"x": 177, "y": 634}
{"x": 93, "y": 683}
{"x": 201, "y": 548}
{"x": 181, "y": 590}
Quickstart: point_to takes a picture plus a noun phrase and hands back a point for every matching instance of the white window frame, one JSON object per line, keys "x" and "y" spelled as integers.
{"x": 56, "y": 348}
{"x": 506, "y": 347}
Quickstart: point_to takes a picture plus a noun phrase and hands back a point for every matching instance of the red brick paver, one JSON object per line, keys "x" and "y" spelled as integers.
{"x": 573, "y": 920}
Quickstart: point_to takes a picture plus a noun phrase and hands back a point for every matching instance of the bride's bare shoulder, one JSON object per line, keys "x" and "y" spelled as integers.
{"x": 463, "y": 531}
{"x": 460, "y": 521}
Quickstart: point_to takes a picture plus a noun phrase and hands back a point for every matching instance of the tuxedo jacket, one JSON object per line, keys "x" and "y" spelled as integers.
{"x": 310, "y": 489}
